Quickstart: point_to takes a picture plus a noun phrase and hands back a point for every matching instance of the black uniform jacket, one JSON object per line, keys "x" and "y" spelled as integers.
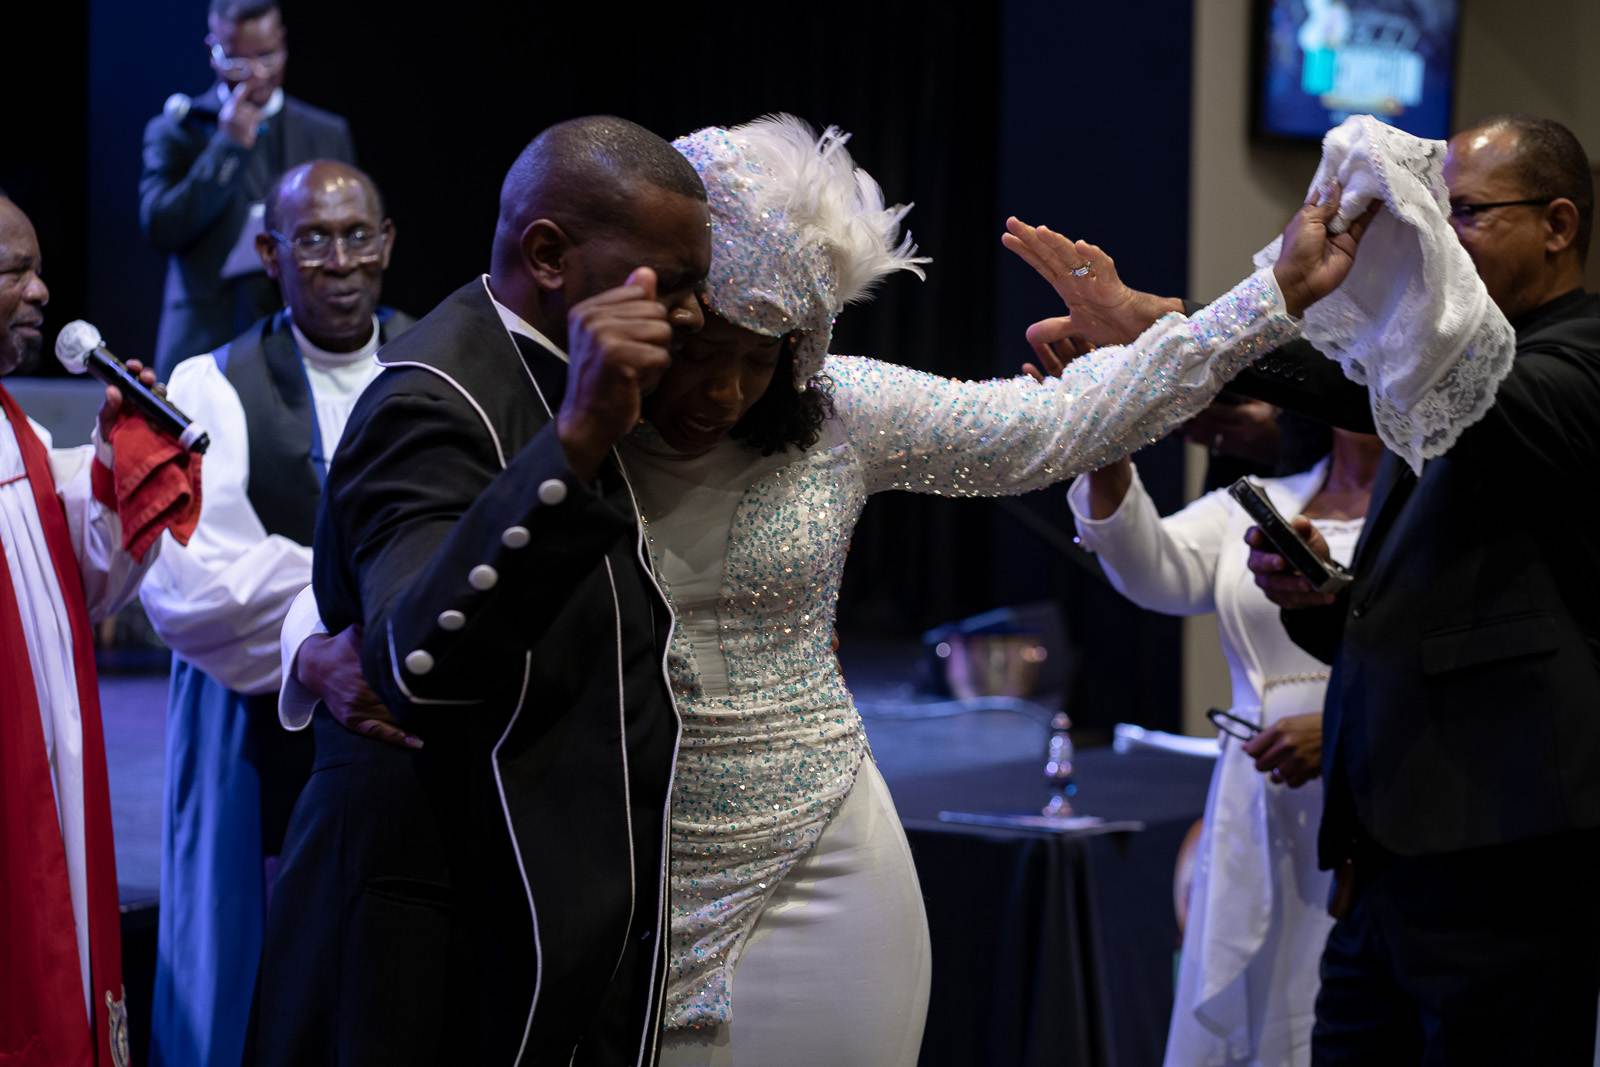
{"x": 497, "y": 897}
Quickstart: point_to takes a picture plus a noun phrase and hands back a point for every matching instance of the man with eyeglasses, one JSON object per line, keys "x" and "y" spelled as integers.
{"x": 1461, "y": 737}
{"x": 208, "y": 163}
{"x": 275, "y": 400}
{"x": 1462, "y": 733}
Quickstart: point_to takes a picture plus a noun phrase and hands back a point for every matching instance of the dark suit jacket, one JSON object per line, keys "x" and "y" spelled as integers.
{"x": 1464, "y": 708}
{"x": 499, "y": 896}
{"x": 194, "y": 196}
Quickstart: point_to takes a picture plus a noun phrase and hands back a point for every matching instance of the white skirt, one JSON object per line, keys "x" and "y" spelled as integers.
{"x": 837, "y": 967}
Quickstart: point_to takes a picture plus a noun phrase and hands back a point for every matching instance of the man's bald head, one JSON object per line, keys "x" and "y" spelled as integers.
{"x": 1522, "y": 204}
{"x": 1548, "y": 161}
{"x": 585, "y": 175}
{"x": 303, "y": 183}
{"x": 23, "y": 294}
{"x": 586, "y": 203}
{"x": 327, "y": 245}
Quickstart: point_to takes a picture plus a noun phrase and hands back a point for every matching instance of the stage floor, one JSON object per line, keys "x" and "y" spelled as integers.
{"x": 134, "y": 708}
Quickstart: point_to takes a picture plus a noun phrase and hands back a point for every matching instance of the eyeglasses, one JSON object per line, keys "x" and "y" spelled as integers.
{"x": 1462, "y": 211}
{"x": 316, "y": 247}
{"x": 242, "y": 66}
{"x": 1233, "y": 725}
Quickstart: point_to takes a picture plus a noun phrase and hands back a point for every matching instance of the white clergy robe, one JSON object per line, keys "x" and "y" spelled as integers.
{"x": 219, "y": 603}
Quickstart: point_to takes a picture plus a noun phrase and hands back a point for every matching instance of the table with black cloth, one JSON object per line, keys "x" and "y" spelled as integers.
{"x": 1047, "y": 948}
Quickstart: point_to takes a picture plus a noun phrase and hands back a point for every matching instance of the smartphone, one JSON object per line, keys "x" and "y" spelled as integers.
{"x": 1324, "y": 576}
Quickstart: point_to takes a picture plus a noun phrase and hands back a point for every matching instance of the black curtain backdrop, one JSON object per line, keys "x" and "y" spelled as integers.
{"x": 1094, "y": 119}
{"x": 1073, "y": 115}
{"x": 44, "y": 160}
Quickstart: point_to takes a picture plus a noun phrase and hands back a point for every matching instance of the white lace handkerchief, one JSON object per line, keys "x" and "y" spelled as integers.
{"x": 1413, "y": 321}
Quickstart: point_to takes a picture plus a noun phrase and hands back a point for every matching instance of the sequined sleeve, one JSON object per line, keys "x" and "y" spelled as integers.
{"x": 927, "y": 434}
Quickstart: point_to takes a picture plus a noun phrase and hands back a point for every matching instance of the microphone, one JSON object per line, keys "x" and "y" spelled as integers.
{"x": 80, "y": 348}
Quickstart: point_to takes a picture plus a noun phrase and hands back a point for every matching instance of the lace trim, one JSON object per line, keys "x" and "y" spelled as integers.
{"x": 1457, "y": 401}
{"x": 1421, "y": 400}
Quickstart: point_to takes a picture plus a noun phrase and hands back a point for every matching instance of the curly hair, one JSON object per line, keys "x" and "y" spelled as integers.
{"x": 784, "y": 416}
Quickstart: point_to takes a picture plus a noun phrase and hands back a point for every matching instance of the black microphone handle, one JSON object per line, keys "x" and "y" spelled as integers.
{"x": 158, "y": 409}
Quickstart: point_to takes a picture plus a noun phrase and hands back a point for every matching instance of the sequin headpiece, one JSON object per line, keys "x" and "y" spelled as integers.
{"x": 797, "y": 230}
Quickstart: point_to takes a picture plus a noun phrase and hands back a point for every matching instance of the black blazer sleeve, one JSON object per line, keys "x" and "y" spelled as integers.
{"x": 1543, "y": 415}
{"x": 1298, "y": 377}
{"x": 422, "y": 508}
{"x": 181, "y": 193}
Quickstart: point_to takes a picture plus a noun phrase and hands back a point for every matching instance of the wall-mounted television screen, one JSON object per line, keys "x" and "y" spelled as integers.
{"x": 1320, "y": 61}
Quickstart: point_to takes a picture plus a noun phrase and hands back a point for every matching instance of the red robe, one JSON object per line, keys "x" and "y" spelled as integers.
{"x": 42, "y": 1022}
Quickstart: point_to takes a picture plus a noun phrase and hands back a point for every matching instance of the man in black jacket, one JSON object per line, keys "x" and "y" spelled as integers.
{"x": 1462, "y": 749}
{"x": 208, "y": 163}
{"x": 498, "y": 895}
{"x": 1461, "y": 745}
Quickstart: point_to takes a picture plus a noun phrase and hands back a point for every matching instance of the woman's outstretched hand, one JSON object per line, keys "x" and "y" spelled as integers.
{"x": 1102, "y": 310}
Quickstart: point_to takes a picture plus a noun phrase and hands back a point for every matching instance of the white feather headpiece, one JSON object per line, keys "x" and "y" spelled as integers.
{"x": 797, "y": 230}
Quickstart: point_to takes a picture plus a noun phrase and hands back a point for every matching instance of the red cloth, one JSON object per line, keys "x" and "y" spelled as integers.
{"x": 42, "y": 1022}
{"x": 155, "y": 487}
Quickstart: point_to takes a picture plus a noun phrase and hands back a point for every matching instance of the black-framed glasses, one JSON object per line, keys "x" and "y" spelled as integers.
{"x": 1232, "y": 725}
{"x": 316, "y": 247}
{"x": 243, "y": 66}
{"x": 1464, "y": 211}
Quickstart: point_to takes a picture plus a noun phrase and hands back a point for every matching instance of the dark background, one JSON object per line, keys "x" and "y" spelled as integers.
{"x": 1073, "y": 115}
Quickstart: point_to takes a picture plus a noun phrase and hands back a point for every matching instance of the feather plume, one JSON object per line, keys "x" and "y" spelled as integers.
{"x": 817, "y": 185}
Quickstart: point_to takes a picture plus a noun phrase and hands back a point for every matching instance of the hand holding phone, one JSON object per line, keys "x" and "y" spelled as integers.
{"x": 1324, "y": 575}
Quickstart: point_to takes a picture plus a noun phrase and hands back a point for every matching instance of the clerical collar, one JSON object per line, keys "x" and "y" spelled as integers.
{"x": 273, "y": 105}
{"x": 321, "y": 357}
{"x": 517, "y": 324}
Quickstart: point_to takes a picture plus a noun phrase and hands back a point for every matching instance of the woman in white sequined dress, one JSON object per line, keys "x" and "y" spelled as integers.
{"x": 798, "y": 934}
{"x": 1248, "y": 980}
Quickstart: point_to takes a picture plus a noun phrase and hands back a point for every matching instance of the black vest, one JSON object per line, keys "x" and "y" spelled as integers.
{"x": 286, "y": 472}
{"x": 286, "y": 463}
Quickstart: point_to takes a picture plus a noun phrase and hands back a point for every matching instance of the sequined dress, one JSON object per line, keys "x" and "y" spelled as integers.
{"x": 771, "y": 740}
